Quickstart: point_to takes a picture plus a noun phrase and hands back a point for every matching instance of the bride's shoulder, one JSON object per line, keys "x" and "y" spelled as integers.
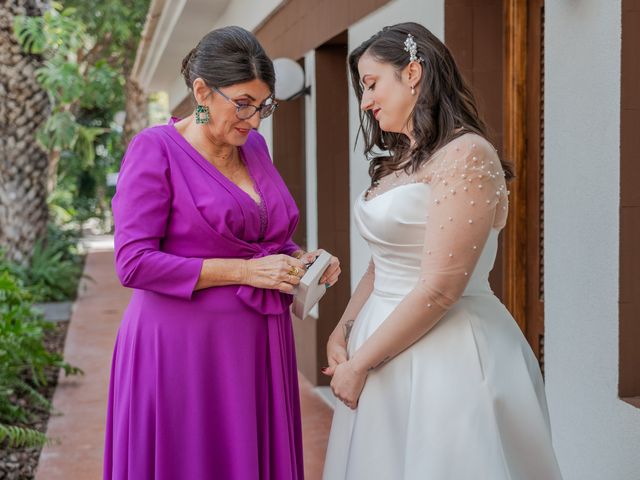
{"x": 469, "y": 143}
{"x": 464, "y": 154}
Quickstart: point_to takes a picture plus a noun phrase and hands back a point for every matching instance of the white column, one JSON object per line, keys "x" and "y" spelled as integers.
{"x": 266, "y": 130}
{"x": 311, "y": 152}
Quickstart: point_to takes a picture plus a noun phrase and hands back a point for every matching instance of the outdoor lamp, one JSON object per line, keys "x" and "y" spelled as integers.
{"x": 289, "y": 79}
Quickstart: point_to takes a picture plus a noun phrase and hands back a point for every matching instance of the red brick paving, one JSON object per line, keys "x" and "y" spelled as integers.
{"x": 82, "y": 400}
{"x": 316, "y": 421}
{"x": 79, "y": 429}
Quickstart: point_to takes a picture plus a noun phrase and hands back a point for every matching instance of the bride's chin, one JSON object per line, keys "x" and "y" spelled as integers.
{"x": 387, "y": 128}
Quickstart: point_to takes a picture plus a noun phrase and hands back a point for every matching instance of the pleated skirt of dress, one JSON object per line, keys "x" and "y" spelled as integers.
{"x": 201, "y": 394}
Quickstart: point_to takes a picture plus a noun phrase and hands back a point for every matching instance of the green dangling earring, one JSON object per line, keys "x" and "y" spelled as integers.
{"x": 202, "y": 114}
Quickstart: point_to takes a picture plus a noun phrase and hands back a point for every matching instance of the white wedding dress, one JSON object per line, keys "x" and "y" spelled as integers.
{"x": 466, "y": 401}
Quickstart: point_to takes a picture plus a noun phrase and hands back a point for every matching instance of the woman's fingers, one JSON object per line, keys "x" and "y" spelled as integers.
{"x": 333, "y": 278}
{"x": 336, "y": 352}
{"x": 340, "y": 356}
{"x": 331, "y": 275}
{"x": 332, "y": 269}
{"x": 285, "y": 288}
{"x": 309, "y": 257}
{"x": 347, "y": 400}
{"x": 292, "y": 266}
{"x": 328, "y": 371}
{"x": 274, "y": 271}
{"x": 347, "y": 384}
{"x": 289, "y": 271}
{"x": 335, "y": 358}
{"x": 350, "y": 402}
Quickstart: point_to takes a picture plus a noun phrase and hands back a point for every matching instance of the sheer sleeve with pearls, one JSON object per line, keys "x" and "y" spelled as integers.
{"x": 467, "y": 199}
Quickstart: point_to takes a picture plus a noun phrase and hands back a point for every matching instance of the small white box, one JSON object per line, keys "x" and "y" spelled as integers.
{"x": 310, "y": 291}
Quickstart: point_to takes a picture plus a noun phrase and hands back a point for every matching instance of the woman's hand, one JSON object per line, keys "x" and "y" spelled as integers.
{"x": 274, "y": 272}
{"x": 330, "y": 276}
{"x": 347, "y": 383}
{"x": 336, "y": 352}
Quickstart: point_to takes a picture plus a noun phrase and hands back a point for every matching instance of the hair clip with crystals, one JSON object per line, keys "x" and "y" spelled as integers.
{"x": 411, "y": 47}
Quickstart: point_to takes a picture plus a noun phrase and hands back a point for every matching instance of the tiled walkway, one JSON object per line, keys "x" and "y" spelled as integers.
{"x": 81, "y": 401}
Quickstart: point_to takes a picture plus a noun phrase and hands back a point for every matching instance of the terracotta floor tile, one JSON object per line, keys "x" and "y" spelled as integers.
{"x": 316, "y": 422}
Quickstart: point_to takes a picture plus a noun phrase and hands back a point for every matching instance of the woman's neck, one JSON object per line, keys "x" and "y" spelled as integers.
{"x": 221, "y": 155}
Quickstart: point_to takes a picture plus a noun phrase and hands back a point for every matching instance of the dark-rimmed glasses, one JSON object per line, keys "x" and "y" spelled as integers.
{"x": 245, "y": 112}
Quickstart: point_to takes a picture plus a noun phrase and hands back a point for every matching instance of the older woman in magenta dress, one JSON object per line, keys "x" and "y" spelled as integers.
{"x": 204, "y": 378}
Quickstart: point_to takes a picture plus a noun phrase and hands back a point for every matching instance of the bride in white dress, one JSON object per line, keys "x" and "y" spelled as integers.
{"x": 435, "y": 378}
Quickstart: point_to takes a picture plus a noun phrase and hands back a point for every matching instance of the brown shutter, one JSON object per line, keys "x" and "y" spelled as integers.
{"x": 629, "y": 306}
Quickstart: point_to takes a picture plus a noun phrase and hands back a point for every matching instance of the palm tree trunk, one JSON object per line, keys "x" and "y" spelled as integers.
{"x": 137, "y": 110}
{"x": 24, "y": 166}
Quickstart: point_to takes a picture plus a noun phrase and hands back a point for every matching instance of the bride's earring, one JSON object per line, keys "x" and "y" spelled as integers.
{"x": 413, "y": 90}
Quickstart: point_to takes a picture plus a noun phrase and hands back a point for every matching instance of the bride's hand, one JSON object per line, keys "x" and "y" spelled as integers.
{"x": 336, "y": 352}
{"x": 347, "y": 384}
{"x": 330, "y": 276}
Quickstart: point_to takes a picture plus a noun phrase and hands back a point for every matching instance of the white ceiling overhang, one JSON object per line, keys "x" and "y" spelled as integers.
{"x": 174, "y": 27}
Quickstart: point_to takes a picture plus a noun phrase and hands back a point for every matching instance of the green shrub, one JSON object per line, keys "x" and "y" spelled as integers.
{"x": 23, "y": 360}
{"x": 55, "y": 269}
{"x": 21, "y": 437}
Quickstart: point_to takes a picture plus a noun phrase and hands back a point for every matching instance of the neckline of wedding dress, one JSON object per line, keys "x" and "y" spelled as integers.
{"x": 364, "y": 193}
{"x": 382, "y": 194}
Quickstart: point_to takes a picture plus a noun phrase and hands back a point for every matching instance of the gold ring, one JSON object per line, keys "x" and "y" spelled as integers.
{"x": 294, "y": 271}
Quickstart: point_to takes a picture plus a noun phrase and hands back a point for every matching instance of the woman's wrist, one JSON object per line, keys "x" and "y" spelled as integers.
{"x": 244, "y": 271}
{"x": 337, "y": 336}
{"x": 218, "y": 272}
{"x": 358, "y": 367}
{"x": 298, "y": 254}
{"x": 364, "y": 361}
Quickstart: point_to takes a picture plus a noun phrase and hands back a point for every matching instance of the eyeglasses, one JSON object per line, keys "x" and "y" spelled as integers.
{"x": 245, "y": 112}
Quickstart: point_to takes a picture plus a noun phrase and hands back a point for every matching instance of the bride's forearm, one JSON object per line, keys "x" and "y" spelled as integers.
{"x": 407, "y": 324}
{"x": 358, "y": 299}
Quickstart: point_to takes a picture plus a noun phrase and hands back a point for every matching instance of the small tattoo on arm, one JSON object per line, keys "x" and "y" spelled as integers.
{"x": 385, "y": 360}
{"x": 348, "y": 326}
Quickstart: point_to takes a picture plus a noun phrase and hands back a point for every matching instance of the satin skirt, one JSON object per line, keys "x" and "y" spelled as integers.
{"x": 465, "y": 402}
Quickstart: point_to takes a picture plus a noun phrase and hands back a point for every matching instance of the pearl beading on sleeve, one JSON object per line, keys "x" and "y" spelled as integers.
{"x": 458, "y": 225}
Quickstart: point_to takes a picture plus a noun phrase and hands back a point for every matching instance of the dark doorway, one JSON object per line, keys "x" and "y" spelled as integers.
{"x": 334, "y": 206}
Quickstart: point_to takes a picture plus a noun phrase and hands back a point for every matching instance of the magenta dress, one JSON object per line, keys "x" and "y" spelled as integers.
{"x": 203, "y": 384}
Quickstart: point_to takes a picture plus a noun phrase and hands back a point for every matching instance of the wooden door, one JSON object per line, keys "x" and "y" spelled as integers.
{"x": 524, "y": 144}
{"x": 498, "y": 45}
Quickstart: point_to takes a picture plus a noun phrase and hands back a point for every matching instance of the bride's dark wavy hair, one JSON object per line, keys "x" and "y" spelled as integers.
{"x": 445, "y": 108}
